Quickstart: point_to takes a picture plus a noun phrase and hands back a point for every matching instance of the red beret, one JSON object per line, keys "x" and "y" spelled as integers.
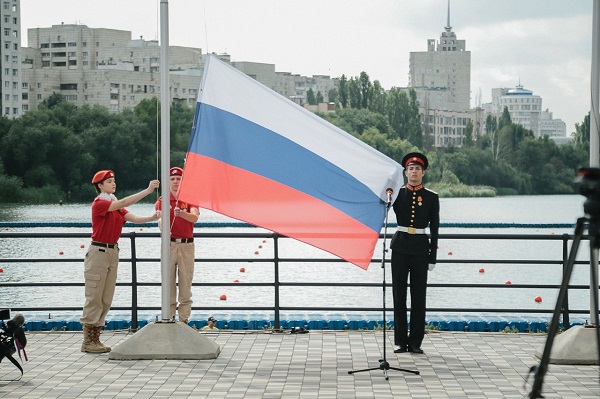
{"x": 102, "y": 175}
{"x": 176, "y": 171}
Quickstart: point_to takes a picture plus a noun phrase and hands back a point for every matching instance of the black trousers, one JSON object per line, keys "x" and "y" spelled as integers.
{"x": 415, "y": 266}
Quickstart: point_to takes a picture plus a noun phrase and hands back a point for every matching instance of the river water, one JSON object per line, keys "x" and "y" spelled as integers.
{"x": 546, "y": 210}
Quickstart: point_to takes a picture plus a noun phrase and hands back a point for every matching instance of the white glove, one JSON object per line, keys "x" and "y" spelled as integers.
{"x": 431, "y": 267}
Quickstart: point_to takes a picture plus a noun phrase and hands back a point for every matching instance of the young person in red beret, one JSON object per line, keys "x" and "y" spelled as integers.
{"x": 414, "y": 253}
{"x": 102, "y": 258}
{"x": 182, "y": 217}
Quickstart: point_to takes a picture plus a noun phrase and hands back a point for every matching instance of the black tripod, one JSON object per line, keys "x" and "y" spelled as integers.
{"x": 383, "y": 363}
{"x": 591, "y": 178}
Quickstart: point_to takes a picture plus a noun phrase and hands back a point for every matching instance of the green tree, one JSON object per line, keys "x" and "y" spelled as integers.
{"x": 332, "y": 95}
{"x": 320, "y": 98}
{"x": 366, "y": 90}
{"x": 378, "y": 101}
{"x": 344, "y": 94}
{"x": 354, "y": 94}
{"x": 310, "y": 97}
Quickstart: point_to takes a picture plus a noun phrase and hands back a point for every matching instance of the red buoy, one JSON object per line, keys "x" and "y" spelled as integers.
{"x": 223, "y": 297}
{"x": 61, "y": 253}
{"x": 508, "y": 282}
{"x": 242, "y": 270}
{"x": 482, "y": 270}
{"x": 236, "y": 281}
{"x": 255, "y": 252}
{"x": 538, "y": 299}
{"x": 1, "y": 270}
{"x": 260, "y": 246}
{"x": 264, "y": 241}
{"x": 450, "y": 253}
{"x": 82, "y": 246}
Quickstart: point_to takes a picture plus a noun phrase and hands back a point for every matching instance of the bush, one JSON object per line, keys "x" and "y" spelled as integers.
{"x": 11, "y": 189}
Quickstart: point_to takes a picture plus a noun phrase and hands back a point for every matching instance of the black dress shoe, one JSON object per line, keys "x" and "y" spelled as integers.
{"x": 399, "y": 349}
{"x": 415, "y": 350}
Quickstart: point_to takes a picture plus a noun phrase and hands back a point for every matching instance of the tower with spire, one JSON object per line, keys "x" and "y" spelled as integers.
{"x": 441, "y": 76}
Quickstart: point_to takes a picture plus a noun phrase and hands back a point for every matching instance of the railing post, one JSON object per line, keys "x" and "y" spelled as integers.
{"x": 134, "y": 302}
{"x": 565, "y": 304}
{"x": 276, "y": 279}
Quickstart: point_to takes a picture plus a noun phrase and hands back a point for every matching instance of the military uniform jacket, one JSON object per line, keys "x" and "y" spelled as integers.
{"x": 417, "y": 207}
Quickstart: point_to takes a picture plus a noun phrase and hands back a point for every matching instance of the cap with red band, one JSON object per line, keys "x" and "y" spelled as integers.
{"x": 415, "y": 158}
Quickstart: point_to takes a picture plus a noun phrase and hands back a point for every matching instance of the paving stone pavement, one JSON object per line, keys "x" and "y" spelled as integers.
{"x": 263, "y": 364}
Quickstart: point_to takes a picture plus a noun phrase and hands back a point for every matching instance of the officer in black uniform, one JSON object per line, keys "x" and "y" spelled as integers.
{"x": 413, "y": 252}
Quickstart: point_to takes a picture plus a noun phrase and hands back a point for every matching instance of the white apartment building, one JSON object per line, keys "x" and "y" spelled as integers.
{"x": 525, "y": 109}
{"x": 10, "y": 64}
{"x": 106, "y": 67}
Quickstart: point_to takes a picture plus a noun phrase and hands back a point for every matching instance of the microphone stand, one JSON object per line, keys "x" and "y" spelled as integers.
{"x": 383, "y": 363}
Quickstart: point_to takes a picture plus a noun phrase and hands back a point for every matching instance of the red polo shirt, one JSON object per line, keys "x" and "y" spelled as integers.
{"x": 106, "y": 226}
{"x": 180, "y": 228}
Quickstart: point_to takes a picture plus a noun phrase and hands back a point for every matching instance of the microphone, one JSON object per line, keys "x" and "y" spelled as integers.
{"x": 389, "y": 193}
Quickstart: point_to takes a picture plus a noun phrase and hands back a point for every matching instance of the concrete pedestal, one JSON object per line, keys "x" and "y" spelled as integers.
{"x": 166, "y": 340}
{"x": 577, "y": 345}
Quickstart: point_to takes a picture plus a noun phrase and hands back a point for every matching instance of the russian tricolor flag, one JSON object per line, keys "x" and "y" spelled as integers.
{"x": 258, "y": 157}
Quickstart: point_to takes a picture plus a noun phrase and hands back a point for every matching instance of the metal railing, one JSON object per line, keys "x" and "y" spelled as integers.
{"x": 277, "y": 260}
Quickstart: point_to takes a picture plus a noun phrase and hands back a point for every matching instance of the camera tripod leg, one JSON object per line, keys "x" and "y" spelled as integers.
{"x": 540, "y": 370}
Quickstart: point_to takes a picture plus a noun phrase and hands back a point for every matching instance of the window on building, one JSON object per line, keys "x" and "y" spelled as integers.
{"x": 25, "y": 96}
{"x": 68, "y": 86}
{"x": 25, "y": 107}
{"x": 15, "y": 85}
{"x": 7, "y": 97}
{"x": 25, "y": 85}
{"x": 15, "y": 20}
{"x": 6, "y": 32}
{"x": 15, "y": 97}
{"x": 85, "y": 63}
{"x": 72, "y": 44}
{"x": 45, "y": 45}
{"x": 71, "y": 97}
{"x": 6, "y": 71}
{"x": 39, "y": 97}
{"x": 114, "y": 96}
{"x": 15, "y": 72}
{"x": 6, "y": 111}
{"x": 15, "y": 33}
{"x": 45, "y": 64}
{"x": 72, "y": 53}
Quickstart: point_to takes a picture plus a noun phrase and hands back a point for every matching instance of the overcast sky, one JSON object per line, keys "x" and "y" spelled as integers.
{"x": 543, "y": 44}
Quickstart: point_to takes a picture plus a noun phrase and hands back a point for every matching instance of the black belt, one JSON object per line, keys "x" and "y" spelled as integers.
{"x": 104, "y": 245}
{"x": 182, "y": 240}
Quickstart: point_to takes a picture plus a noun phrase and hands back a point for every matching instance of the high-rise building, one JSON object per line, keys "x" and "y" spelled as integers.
{"x": 11, "y": 86}
{"x": 441, "y": 76}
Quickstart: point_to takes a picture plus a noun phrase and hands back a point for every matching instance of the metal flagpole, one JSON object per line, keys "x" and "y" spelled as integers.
{"x": 165, "y": 339}
{"x": 165, "y": 149}
{"x": 594, "y": 131}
